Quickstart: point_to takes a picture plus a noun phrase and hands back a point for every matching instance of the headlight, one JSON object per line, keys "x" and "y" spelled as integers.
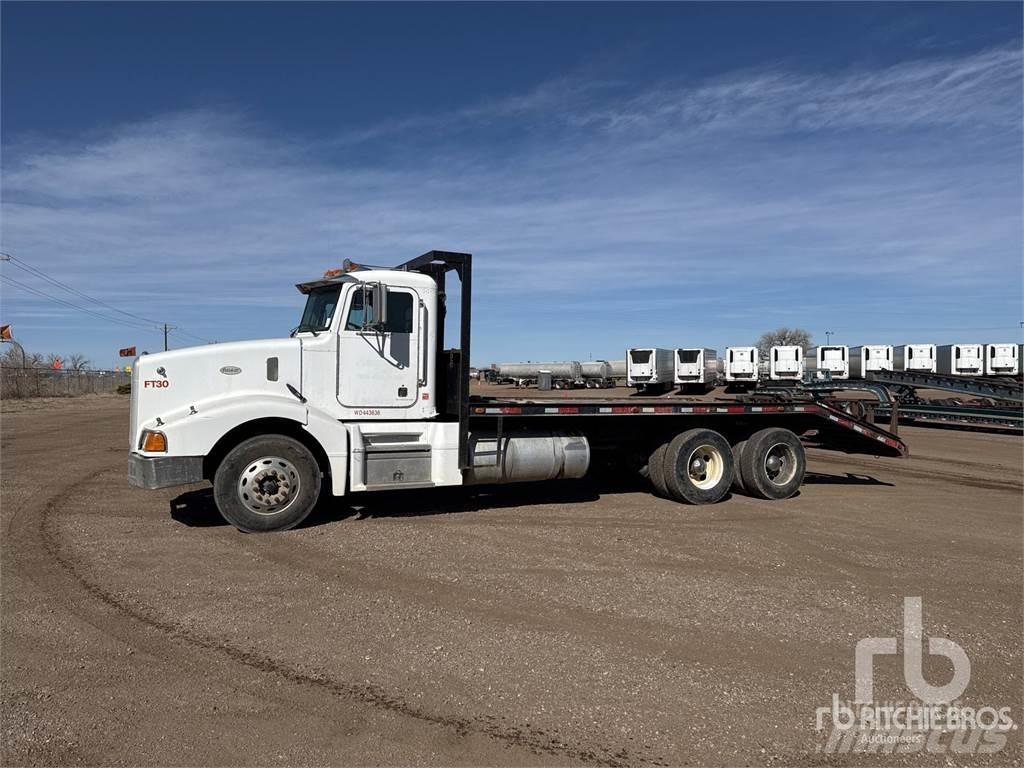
{"x": 153, "y": 442}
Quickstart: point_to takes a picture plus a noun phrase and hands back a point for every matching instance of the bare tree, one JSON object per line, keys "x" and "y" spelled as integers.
{"x": 781, "y": 337}
{"x": 12, "y": 357}
{"x": 78, "y": 362}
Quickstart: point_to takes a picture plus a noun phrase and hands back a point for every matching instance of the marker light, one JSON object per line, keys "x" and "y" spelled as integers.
{"x": 346, "y": 267}
{"x": 154, "y": 442}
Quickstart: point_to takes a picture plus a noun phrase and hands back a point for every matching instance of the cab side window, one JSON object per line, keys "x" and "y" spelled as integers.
{"x": 400, "y": 312}
{"x": 360, "y": 311}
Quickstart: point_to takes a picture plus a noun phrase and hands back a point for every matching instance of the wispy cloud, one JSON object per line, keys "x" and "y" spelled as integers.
{"x": 964, "y": 91}
{"x": 586, "y": 201}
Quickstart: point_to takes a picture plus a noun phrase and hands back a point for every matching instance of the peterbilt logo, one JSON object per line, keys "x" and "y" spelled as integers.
{"x": 230, "y": 370}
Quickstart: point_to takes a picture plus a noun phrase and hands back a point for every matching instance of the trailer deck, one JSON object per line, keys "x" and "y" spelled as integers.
{"x": 996, "y": 388}
{"x": 898, "y": 399}
{"x": 962, "y": 414}
{"x": 805, "y": 417}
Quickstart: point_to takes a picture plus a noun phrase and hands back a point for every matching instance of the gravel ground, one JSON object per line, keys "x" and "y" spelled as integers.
{"x": 576, "y": 623}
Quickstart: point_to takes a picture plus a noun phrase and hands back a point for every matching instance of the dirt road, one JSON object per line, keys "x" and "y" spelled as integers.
{"x": 585, "y": 623}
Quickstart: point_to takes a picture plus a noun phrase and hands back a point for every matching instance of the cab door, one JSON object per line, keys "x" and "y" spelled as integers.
{"x": 378, "y": 367}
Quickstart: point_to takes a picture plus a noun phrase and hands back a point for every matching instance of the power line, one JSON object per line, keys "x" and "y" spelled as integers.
{"x": 191, "y": 335}
{"x": 156, "y": 325}
{"x": 13, "y": 260}
{"x": 108, "y": 318}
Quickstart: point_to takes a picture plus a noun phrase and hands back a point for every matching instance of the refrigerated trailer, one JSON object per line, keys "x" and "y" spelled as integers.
{"x": 914, "y": 358}
{"x": 960, "y": 360}
{"x": 650, "y": 369}
{"x": 696, "y": 368}
{"x": 741, "y": 366}
{"x": 870, "y": 358}
{"x": 1002, "y": 360}
{"x": 786, "y": 363}
{"x": 368, "y": 395}
{"x": 829, "y": 361}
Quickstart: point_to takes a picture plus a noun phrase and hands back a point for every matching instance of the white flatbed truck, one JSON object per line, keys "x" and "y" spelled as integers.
{"x": 364, "y": 396}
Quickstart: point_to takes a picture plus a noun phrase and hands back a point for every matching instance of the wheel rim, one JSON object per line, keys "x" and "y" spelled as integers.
{"x": 705, "y": 466}
{"x": 780, "y": 464}
{"x": 268, "y": 485}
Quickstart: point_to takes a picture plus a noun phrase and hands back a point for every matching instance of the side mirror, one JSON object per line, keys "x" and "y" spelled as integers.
{"x": 376, "y": 299}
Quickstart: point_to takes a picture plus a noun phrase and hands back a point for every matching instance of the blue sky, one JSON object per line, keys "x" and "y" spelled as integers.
{"x": 626, "y": 175}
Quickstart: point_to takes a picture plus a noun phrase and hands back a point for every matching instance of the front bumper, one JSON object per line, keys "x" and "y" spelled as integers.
{"x": 163, "y": 471}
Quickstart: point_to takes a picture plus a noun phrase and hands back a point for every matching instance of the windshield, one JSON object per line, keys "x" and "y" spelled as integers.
{"x": 319, "y": 311}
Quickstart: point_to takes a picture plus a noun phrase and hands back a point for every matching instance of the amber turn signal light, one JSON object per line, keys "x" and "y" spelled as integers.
{"x": 154, "y": 442}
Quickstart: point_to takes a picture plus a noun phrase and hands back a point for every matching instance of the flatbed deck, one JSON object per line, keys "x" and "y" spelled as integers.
{"x": 802, "y": 417}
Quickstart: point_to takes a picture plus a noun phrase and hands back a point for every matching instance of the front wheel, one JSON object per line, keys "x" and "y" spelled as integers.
{"x": 267, "y": 483}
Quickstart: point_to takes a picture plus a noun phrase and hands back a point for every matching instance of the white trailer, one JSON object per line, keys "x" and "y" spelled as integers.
{"x": 961, "y": 359}
{"x": 741, "y": 365}
{"x": 915, "y": 358}
{"x": 786, "y": 363}
{"x": 696, "y": 368}
{"x": 650, "y": 368}
{"x": 870, "y": 358}
{"x": 1002, "y": 360}
{"x": 829, "y": 361}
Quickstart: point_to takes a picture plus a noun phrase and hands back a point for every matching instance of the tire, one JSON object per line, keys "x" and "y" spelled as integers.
{"x": 286, "y": 475}
{"x": 762, "y": 451}
{"x": 737, "y": 459}
{"x": 697, "y": 487}
{"x": 656, "y": 470}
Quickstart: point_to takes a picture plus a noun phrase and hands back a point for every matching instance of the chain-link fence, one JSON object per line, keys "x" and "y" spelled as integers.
{"x": 46, "y": 382}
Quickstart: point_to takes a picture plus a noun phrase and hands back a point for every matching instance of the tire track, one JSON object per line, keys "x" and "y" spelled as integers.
{"x": 498, "y": 728}
{"x": 971, "y": 481}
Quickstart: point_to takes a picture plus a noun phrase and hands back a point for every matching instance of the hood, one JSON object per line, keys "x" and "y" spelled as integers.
{"x": 168, "y": 385}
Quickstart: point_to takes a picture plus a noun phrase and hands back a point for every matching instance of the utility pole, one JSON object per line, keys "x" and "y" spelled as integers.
{"x": 166, "y": 329}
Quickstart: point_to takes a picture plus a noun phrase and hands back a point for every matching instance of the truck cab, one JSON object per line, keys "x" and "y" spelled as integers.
{"x": 366, "y": 339}
{"x": 350, "y": 396}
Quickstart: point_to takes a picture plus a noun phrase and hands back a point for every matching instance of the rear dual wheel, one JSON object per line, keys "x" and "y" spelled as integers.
{"x": 699, "y": 466}
{"x": 656, "y": 470}
{"x": 695, "y": 467}
{"x": 770, "y": 464}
